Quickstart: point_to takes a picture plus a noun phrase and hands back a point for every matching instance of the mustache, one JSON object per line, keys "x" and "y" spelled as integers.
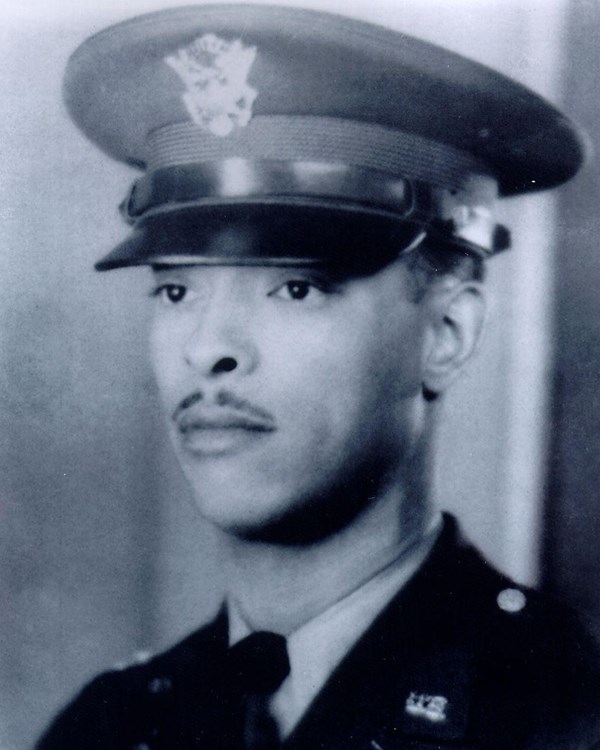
{"x": 224, "y": 399}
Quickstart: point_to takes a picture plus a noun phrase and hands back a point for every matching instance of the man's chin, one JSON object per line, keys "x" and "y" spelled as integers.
{"x": 240, "y": 517}
{"x": 300, "y": 522}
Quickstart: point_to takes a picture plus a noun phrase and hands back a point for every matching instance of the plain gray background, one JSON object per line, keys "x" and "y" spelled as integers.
{"x": 101, "y": 553}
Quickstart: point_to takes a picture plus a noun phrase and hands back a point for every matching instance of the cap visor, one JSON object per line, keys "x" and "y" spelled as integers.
{"x": 264, "y": 235}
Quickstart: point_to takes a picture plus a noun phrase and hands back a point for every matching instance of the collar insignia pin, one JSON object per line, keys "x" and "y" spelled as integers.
{"x": 429, "y": 707}
{"x": 215, "y": 71}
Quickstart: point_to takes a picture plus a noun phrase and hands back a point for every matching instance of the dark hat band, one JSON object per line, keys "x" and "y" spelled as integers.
{"x": 461, "y": 216}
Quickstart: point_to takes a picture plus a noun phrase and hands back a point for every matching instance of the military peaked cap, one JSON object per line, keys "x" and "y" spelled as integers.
{"x": 281, "y": 135}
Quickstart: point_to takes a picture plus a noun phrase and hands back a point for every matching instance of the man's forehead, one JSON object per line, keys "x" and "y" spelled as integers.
{"x": 270, "y": 134}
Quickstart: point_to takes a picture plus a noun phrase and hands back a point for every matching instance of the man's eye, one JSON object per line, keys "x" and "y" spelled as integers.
{"x": 298, "y": 290}
{"x": 170, "y": 293}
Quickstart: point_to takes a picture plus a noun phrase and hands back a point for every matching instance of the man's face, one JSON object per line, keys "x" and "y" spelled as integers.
{"x": 291, "y": 396}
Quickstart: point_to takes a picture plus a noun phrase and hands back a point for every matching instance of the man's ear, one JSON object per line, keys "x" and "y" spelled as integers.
{"x": 457, "y": 315}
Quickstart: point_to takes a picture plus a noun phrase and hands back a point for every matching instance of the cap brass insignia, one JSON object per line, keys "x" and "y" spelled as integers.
{"x": 215, "y": 71}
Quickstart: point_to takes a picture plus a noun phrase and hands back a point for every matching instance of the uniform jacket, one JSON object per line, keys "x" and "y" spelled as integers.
{"x": 449, "y": 664}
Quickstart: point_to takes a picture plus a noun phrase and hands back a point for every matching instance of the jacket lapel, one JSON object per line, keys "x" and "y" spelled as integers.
{"x": 197, "y": 711}
{"x": 408, "y": 681}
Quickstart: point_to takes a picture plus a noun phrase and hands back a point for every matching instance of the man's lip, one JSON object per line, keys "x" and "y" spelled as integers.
{"x": 195, "y": 420}
{"x": 204, "y": 433}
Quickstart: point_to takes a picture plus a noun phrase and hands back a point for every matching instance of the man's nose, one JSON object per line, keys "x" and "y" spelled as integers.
{"x": 222, "y": 341}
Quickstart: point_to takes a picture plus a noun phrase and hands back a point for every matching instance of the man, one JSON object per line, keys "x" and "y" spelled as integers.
{"x": 317, "y": 244}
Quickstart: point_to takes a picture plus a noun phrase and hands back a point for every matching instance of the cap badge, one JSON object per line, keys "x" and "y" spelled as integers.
{"x": 215, "y": 71}
{"x": 430, "y": 707}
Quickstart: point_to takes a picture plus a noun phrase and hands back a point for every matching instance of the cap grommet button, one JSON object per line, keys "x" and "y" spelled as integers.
{"x": 511, "y": 600}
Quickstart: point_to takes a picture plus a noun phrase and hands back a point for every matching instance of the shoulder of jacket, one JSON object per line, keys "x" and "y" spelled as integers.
{"x": 518, "y": 619}
{"x": 124, "y": 700}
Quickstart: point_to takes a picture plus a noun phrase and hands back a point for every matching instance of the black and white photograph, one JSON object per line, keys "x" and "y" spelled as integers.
{"x": 300, "y": 375}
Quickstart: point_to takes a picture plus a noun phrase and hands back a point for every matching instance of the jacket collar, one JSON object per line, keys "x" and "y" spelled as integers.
{"x": 411, "y": 674}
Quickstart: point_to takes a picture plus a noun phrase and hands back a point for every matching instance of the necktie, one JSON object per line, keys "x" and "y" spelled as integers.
{"x": 257, "y": 666}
